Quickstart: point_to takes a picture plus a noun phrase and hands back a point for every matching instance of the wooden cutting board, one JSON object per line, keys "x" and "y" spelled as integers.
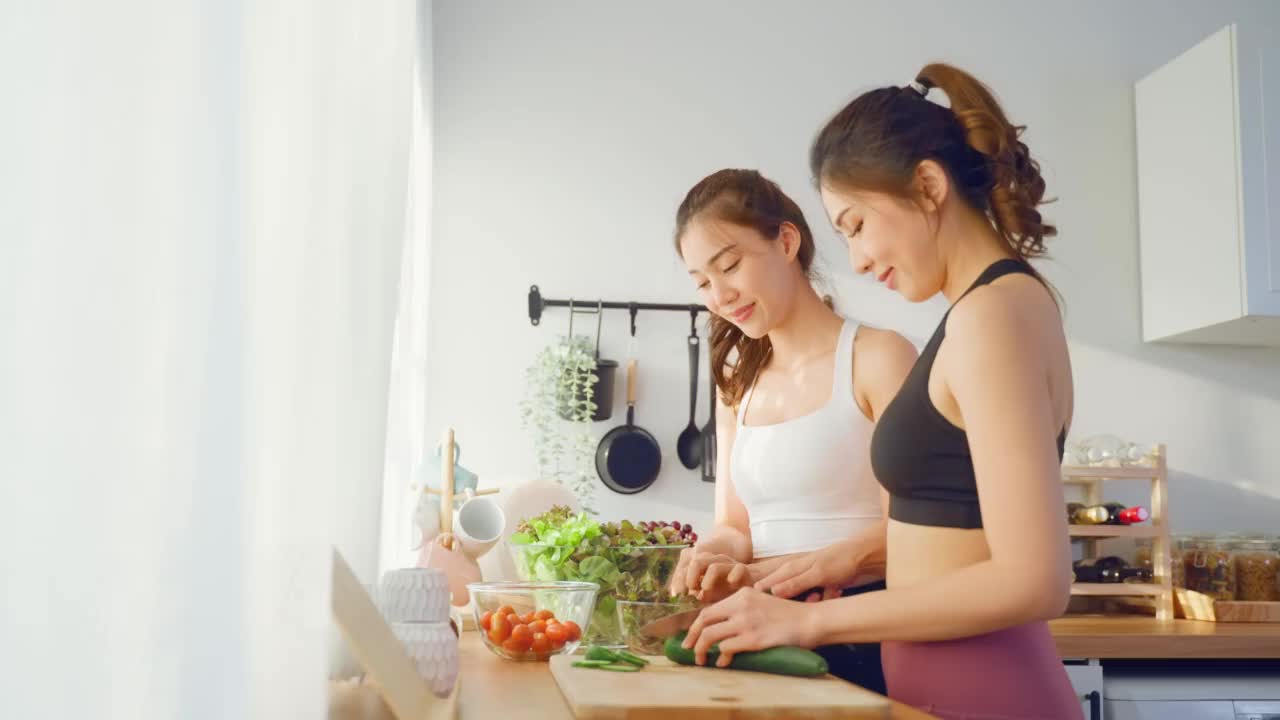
{"x": 1241, "y": 611}
{"x": 675, "y": 692}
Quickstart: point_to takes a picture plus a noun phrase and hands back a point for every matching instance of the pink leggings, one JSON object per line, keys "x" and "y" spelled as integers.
{"x": 1012, "y": 674}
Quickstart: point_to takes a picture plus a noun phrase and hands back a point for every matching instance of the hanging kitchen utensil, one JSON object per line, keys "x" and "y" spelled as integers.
{"x": 602, "y": 389}
{"x": 628, "y": 458}
{"x": 709, "y": 446}
{"x": 689, "y": 443}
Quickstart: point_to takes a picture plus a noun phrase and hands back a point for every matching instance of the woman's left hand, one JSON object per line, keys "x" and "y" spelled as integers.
{"x": 751, "y": 620}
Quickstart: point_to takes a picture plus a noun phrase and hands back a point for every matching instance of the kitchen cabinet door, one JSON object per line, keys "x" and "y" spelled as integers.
{"x": 1170, "y": 710}
{"x": 1087, "y": 681}
{"x": 1209, "y": 193}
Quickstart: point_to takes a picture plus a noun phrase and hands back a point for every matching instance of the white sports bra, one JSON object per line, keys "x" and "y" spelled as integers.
{"x": 807, "y": 483}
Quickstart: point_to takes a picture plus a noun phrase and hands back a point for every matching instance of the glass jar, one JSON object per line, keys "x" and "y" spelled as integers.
{"x": 1209, "y": 569}
{"x": 1256, "y": 563}
{"x": 1178, "y": 569}
{"x": 1275, "y": 543}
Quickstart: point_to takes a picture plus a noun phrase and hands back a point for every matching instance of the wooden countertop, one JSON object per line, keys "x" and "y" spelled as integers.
{"x": 495, "y": 688}
{"x": 1148, "y": 638}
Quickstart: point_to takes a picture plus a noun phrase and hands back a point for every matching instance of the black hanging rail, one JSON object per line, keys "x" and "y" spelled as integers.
{"x": 537, "y": 304}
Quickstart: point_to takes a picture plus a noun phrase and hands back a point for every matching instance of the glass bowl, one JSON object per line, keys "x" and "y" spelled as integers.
{"x": 634, "y": 615}
{"x": 623, "y": 572}
{"x": 550, "y": 617}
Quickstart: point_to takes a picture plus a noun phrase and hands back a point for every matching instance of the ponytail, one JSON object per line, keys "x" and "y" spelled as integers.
{"x": 1016, "y": 187}
{"x": 879, "y": 138}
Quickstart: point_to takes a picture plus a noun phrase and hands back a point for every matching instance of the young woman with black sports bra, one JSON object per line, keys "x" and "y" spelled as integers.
{"x": 944, "y": 199}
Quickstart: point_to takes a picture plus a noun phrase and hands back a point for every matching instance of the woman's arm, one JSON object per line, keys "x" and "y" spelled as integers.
{"x": 882, "y": 361}
{"x": 1000, "y": 382}
{"x": 831, "y": 568}
{"x": 732, "y": 533}
{"x": 729, "y": 541}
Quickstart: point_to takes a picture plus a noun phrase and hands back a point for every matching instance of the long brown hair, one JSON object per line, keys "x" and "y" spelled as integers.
{"x": 876, "y": 142}
{"x": 748, "y": 199}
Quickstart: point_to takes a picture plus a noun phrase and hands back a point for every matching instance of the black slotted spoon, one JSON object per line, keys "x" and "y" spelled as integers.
{"x": 689, "y": 444}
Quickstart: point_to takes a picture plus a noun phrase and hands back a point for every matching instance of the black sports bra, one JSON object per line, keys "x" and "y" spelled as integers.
{"x": 918, "y": 455}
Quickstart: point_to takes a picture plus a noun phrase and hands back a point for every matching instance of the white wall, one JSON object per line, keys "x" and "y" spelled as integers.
{"x": 567, "y": 133}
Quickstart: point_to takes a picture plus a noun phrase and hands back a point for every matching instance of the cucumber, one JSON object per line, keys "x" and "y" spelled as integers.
{"x": 782, "y": 660}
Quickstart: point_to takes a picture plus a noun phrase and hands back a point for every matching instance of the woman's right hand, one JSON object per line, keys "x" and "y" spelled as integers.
{"x": 830, "y": 568}
{"x": 707, "y": 575}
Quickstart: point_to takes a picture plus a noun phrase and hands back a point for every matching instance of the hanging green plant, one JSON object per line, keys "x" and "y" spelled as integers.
{"x": 557, "y": 408}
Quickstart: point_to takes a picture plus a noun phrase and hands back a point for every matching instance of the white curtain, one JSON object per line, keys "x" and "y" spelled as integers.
{"x": 202, "y": 214}
{"x": 407, "y": 404}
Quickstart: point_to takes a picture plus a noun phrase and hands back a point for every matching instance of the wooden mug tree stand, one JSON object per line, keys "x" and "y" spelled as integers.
{"x": 446, "y": 492}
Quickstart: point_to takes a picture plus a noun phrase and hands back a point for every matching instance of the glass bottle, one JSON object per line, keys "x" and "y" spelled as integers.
{"x": 1090, "y": 515}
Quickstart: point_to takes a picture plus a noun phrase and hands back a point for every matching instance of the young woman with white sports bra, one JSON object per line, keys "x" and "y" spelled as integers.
{"x": 799, "y": 390}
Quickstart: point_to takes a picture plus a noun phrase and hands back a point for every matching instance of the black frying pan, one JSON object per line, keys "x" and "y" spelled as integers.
{"x": 628, "y": 458}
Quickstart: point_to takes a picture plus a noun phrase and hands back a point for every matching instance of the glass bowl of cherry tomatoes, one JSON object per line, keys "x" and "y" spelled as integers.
{"x": 531, "y": 621}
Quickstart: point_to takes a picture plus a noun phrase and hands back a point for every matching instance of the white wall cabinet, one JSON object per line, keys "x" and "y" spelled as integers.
{"x": 1208, "y": 143}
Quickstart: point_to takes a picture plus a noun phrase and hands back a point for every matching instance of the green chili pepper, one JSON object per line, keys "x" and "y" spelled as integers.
{"x": 632, "y": 658}
{"x": 595, "y": 652}
{"x": 619, "y": 668}
{"x": 605, "y": 665}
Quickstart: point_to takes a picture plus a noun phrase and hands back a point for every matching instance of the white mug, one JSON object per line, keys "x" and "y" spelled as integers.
{"x": 478, "y": 524}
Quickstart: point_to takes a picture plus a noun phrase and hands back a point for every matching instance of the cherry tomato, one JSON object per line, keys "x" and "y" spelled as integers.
{"x": 484, "y": 620}
{"x": 545, "y": 615}
{"x": 571, "y": 627}
{"x": 514, "y": 648}
{"x": 514, "y": 619}
{"x": 557, "y": 635}
{"x": 499, "y": 630}
{"x": 538, "y": 626}
{"x": 540, "y": 645}
{"x": 503, "y": 611}
{"x": 528, "y": 617}
{"x": 520, "y": 641}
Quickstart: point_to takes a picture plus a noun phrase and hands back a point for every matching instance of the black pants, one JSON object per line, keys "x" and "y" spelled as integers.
{"x": 858, "y": 663}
